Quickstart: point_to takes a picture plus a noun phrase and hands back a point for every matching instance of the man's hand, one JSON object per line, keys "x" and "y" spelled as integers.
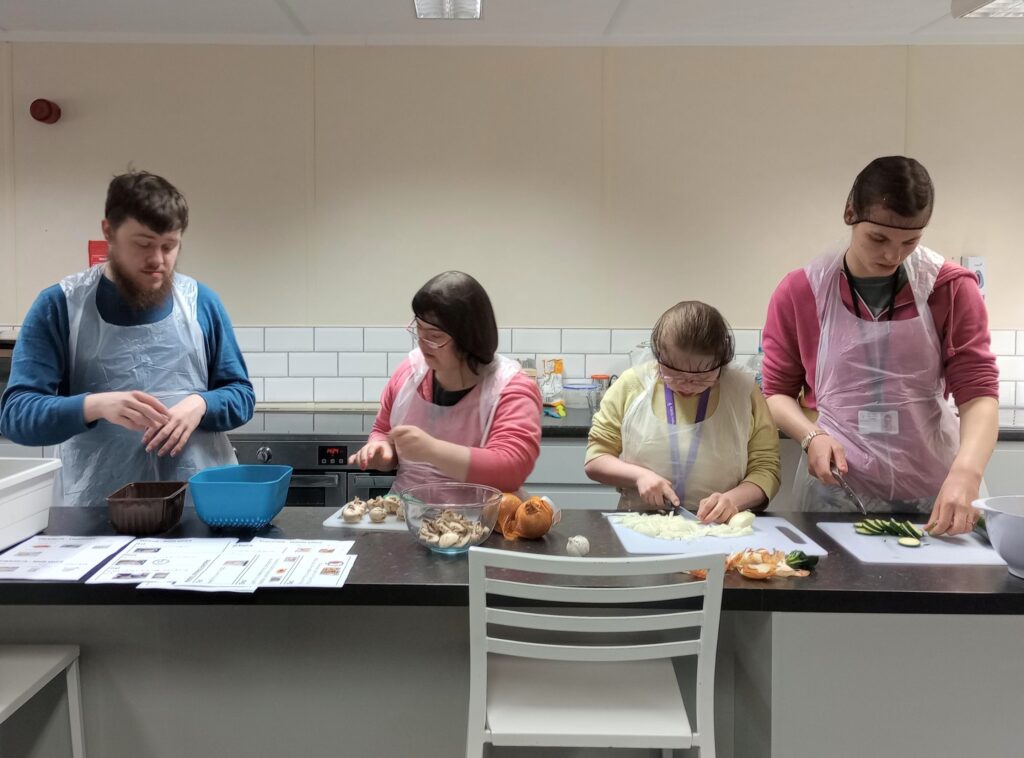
{"x": 132, "y": 410}
{"x": 171, "y": 437}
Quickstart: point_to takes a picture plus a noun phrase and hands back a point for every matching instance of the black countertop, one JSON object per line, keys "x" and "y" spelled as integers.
{"x": 391, "y": 569}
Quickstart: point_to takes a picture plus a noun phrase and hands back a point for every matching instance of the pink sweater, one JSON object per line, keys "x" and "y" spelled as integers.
{"x": 513, "y": 443}
{"x": 792, "y": 331}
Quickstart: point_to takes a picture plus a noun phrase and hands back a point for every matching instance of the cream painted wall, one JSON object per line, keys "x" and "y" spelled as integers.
{"x": 726, "y": 168}
{"x": 232, "y": 127}
{"x": 583, "y": 186}
{"x": 965, "y": 116}
{"x": 9, "y": 312}
{"x": 488, "y": 161}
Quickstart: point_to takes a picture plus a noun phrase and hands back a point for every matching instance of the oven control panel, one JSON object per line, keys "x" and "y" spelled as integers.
{"x": 332, "y": 455}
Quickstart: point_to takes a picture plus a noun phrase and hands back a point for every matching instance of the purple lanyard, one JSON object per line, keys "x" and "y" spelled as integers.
{"x": 679, "y": 473}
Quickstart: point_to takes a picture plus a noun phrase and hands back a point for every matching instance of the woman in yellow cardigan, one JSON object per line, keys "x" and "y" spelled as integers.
{"x": 686, "y": 428}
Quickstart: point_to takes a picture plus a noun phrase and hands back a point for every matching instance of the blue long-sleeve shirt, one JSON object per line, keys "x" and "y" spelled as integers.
{"x": 37, "y": 407}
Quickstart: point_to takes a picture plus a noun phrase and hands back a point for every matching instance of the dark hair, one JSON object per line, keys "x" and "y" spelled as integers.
{"x": 149, "y": 199}
{"x": 897, "y": 184}
{"x": 695, "y": 327}
{"x": 457, "y": 304}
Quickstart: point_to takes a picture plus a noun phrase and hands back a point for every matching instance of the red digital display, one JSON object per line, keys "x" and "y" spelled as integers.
{"x": 332, "y": 455}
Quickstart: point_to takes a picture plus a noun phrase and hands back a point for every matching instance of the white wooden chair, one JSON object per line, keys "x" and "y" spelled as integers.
{"x": 535, "y": 681}
{"x": 26, "y": 669}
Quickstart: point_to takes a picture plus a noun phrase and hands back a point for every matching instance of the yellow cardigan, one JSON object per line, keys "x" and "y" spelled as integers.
{"x": 762, "y": 447}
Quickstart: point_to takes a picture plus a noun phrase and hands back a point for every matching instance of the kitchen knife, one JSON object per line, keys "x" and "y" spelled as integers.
{"x": 848, "y": 489}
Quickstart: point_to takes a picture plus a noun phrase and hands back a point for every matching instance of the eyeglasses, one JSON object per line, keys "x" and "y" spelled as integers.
{"x": 707, "y": 375}
{"x": 436, "y": 339}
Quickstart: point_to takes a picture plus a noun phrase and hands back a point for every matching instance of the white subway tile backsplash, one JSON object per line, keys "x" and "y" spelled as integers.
{"x": 372, "y": 387}
{"x": 288, "y": 423}
{"x": 312, "y": 364}
{"x": 1011, "y": 369}
{"x": 527, "y": 359}
{"x": 747, "y": 340}
{"x": 338, "y": 339}
{"x": 338, "y": 390}
{"x": 1008, "y": 393}
{"x": 574, "y": 366}
{"x": 504, "y": 341}
{"x": 387, "y": 339}
{"x": 624, "y": 340}
{"x": 1007, "y": 417}
{"x": 394, "y": 359}
{"x": 536, "y": 340}
{"x": 249, "y": 338}
{"x": 257, "y": 387}
{"x": 267, "y": 364}
{"x": 362, "y": 364}
{"x": 255, "y": 424}
{"x": 1004, "y": 341}
{"x": 607, "y": 364}
{"x": 586, "y": 340}
{"x": 1020, "y": 342}
{"x": 338, "y": 423}
{"x": 288, "y": 339}
{"x": 290, "y": 390}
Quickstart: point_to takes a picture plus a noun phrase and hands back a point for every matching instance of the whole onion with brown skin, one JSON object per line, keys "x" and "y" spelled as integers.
{"x": 532, "y": 520}
{"x": 507, "y": 511}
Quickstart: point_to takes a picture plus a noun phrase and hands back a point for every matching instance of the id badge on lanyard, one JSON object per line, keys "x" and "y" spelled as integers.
{"x": 681, "y": 473}
{"x": 878, "y": 422}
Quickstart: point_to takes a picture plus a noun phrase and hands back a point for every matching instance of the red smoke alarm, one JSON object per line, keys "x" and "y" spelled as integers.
{"x": 46, "y": 111}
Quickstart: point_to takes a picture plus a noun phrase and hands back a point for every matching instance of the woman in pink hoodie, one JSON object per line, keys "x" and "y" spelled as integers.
{"x": 861, "y": 348}
{"x": 455, "y": 410}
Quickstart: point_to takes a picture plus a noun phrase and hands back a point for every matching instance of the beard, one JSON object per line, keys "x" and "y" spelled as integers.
{"x": 137, "y": 298}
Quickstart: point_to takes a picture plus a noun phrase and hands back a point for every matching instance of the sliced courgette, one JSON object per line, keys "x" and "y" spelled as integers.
{"x": 909, "y": 542}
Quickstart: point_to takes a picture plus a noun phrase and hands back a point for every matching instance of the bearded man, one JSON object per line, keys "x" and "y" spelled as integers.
{"x": 132, "y": 368}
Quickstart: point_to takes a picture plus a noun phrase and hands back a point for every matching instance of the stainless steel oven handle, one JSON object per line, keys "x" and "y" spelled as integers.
{"x": 316, "y": 480}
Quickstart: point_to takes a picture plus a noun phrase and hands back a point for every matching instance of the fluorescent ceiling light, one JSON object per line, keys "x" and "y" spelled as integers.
{"x": 988, "y": 8}
{"x": 448, "y": 9}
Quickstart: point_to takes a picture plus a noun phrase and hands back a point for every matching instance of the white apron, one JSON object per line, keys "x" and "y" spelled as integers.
{"x": 467, "y": 423}
{"x": 880, "y": 392}
{"x": 166, "y": 359}
{"x": 700, "y": 458}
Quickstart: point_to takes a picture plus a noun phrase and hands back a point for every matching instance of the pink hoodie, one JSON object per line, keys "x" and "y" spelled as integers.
{"x": 792, "y": 331}
{"x": 513, "y": 443}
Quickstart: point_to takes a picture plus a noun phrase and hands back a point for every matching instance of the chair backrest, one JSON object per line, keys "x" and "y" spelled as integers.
{"x": 560, "y": 583}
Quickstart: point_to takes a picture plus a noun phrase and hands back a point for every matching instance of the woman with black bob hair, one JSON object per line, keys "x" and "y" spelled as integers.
{"x": 455, "y": 410}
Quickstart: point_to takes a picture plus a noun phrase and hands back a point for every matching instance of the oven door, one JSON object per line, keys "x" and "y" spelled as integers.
{"x": 318, "y": 489}
{"x": 369, "y": 486}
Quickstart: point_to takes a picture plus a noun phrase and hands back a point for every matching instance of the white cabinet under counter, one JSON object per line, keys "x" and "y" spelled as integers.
{"x": 559, "y": 475}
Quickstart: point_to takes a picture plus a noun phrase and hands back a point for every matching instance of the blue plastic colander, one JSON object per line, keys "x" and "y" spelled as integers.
{"x": 241, "y": 495}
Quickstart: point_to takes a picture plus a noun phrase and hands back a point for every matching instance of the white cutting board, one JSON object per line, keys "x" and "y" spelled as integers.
{"x": 766, "y": 534}
{"x": 390, "y": 524}
{"x": 962, "y": 550}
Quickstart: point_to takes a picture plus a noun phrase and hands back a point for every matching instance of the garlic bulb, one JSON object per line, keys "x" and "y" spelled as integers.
{"x": 577, "y": 546}
{"x": 352, "y": 513}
